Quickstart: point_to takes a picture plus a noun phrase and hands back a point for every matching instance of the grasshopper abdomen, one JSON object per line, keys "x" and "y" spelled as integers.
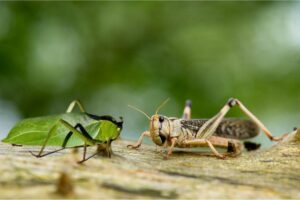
{"x": 233, "y": 128}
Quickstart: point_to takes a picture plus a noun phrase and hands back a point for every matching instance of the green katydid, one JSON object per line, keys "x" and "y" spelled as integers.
{"x": 67, "y": 130}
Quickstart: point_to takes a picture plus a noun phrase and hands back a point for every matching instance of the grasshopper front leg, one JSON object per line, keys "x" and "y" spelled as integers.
{"x": 173, "y": 143}
{"x": 140, "y": 141}
{"x": 161, "y": 149}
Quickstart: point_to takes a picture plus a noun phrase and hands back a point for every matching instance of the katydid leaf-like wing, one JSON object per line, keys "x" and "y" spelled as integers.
{"x": 34, "y": 131}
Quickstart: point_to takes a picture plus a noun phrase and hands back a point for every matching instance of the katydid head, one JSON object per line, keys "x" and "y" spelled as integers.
{"x": 160, "y": 125}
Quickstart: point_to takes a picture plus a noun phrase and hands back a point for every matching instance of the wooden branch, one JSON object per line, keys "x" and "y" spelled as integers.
{"x": 272, "y": 173}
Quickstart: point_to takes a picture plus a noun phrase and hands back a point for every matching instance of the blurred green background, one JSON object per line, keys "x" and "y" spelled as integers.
{"x": 110, "y": 54}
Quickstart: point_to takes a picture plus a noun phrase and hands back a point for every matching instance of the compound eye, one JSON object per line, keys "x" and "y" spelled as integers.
{"x": 161, "y": 119}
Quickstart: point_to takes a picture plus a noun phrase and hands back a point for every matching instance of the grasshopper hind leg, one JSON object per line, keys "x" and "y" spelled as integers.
{"x": 234, "y": 147}
{"x": 204, "y": 143}
{"x": 187, "y": 110}
{"x": 210, "y": 126}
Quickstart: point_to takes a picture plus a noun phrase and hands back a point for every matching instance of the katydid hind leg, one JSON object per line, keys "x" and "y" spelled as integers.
{"x": 73, "y": 130}
{"x": 50, "y": 133}
{"x": 83, "y": 155}
{"x": 84, "y": 151}
{"x": 80, "y": 127}
{"x": 73, "y": 104}
{"x": 91, "y": 156}
{"x": 82, "y": 134}
{"x": 46, "y": 154}
{"x": 104, "y": 149}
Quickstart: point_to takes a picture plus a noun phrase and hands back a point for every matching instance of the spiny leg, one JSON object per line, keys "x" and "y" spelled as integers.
{"x": 83, "y": 160}
{"x": 211, "y": 125}
{"x": 173, "y": 143}
{"x": 86, "y": 135}
{"x": 201, "y": 143}
{"x": 84, "y": 151}
{"x": 101, "y": 148}
{"x": 187, "y": 110}
{"x": 83, "y": 131}
{"x": 82, "y": 135}
{"x": 213, "y": 149}
{"x": 161, "y": 149}
{"x": 108, "y": 148}
{"x": 50, "y": 133}
{"x": 73, "y": 104}
{"x": 45, "y": 154}
{"x": 234, "y": 147}
{"x": 139, "y": 142}
{"x": 257, "y": 121}
{"x": 104, "y": 149}
{"x": 67, "y": 138}
{"x": 84, "y": 154}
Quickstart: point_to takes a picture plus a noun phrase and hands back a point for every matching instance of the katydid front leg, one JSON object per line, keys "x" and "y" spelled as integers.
{"x": 140, "y": 141}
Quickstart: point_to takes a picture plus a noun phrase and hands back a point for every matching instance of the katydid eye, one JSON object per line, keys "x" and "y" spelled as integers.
{"x": 161, "y": 119}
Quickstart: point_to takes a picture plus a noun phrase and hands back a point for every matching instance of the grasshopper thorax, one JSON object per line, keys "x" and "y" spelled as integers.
{"x": 159, "y": 129}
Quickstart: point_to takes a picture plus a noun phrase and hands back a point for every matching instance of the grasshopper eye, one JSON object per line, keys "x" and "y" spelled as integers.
{"x": 161, "y": 119}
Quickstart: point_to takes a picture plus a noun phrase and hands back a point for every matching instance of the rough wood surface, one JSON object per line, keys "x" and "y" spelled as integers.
{"x": 272, "y": 173}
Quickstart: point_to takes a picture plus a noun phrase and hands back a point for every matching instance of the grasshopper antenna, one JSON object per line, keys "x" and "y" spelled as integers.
{"x": 161, "y": 105}
{"x": 130, "y": 106}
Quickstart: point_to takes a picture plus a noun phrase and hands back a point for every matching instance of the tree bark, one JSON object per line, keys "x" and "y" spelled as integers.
{"x": 143, "y": 173}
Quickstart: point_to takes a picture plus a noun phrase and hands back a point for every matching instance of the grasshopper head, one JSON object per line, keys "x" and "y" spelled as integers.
{"x": 159, "y": 125}
{"x": 159, "y": 129}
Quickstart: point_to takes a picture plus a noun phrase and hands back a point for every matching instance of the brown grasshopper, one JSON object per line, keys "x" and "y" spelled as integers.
{"x": 214, "y": 132}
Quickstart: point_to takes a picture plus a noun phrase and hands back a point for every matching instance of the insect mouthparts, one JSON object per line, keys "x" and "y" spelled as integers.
{"x": 162, "y": 137}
